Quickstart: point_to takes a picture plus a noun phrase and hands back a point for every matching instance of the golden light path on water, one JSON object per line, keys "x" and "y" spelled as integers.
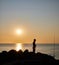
{"x": 18, "y": 46}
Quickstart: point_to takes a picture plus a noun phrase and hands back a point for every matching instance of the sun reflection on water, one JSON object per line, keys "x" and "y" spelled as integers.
{"x": 18, "y": 46}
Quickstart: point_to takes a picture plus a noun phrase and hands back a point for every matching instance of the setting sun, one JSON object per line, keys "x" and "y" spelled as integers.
{"x": 19, "y": 31}
{"x": 18, "y": 46}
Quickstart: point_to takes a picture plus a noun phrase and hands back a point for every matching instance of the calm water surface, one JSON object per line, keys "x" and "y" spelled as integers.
{"x": 43, "y": 48}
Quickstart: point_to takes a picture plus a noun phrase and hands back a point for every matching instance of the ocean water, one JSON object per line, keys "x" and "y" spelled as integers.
{"x": 43, "y": 48}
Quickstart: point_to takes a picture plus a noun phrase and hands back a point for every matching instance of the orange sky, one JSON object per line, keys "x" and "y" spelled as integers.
{"x": 38, "y": 19}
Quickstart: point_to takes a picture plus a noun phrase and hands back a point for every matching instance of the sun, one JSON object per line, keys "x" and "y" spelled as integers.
{"x": 18, "y": 46}
{"x": 18, "y": 31}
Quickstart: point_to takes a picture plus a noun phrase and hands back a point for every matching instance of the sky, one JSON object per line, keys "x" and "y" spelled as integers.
{"x": 37, "y": 18}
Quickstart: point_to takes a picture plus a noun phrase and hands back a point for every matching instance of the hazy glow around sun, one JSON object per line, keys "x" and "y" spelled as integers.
{"x": 18, "y": 31}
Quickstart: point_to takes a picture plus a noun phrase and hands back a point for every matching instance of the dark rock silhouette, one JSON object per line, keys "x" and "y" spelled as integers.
{"x": 34, "y": 45}
{"x": 25, "y": 58}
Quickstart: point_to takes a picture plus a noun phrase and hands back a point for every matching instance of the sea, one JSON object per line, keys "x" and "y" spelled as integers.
{"x": 50, "y": 49}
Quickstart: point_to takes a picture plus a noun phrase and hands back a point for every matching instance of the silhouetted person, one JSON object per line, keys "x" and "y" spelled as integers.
{"x": 34, "y": 45}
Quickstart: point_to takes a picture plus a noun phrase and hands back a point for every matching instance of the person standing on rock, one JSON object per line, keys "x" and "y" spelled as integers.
{"x": 34, "y": 45}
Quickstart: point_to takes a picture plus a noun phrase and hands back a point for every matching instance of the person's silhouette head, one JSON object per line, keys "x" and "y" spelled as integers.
{"x": 34, "y": 40}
